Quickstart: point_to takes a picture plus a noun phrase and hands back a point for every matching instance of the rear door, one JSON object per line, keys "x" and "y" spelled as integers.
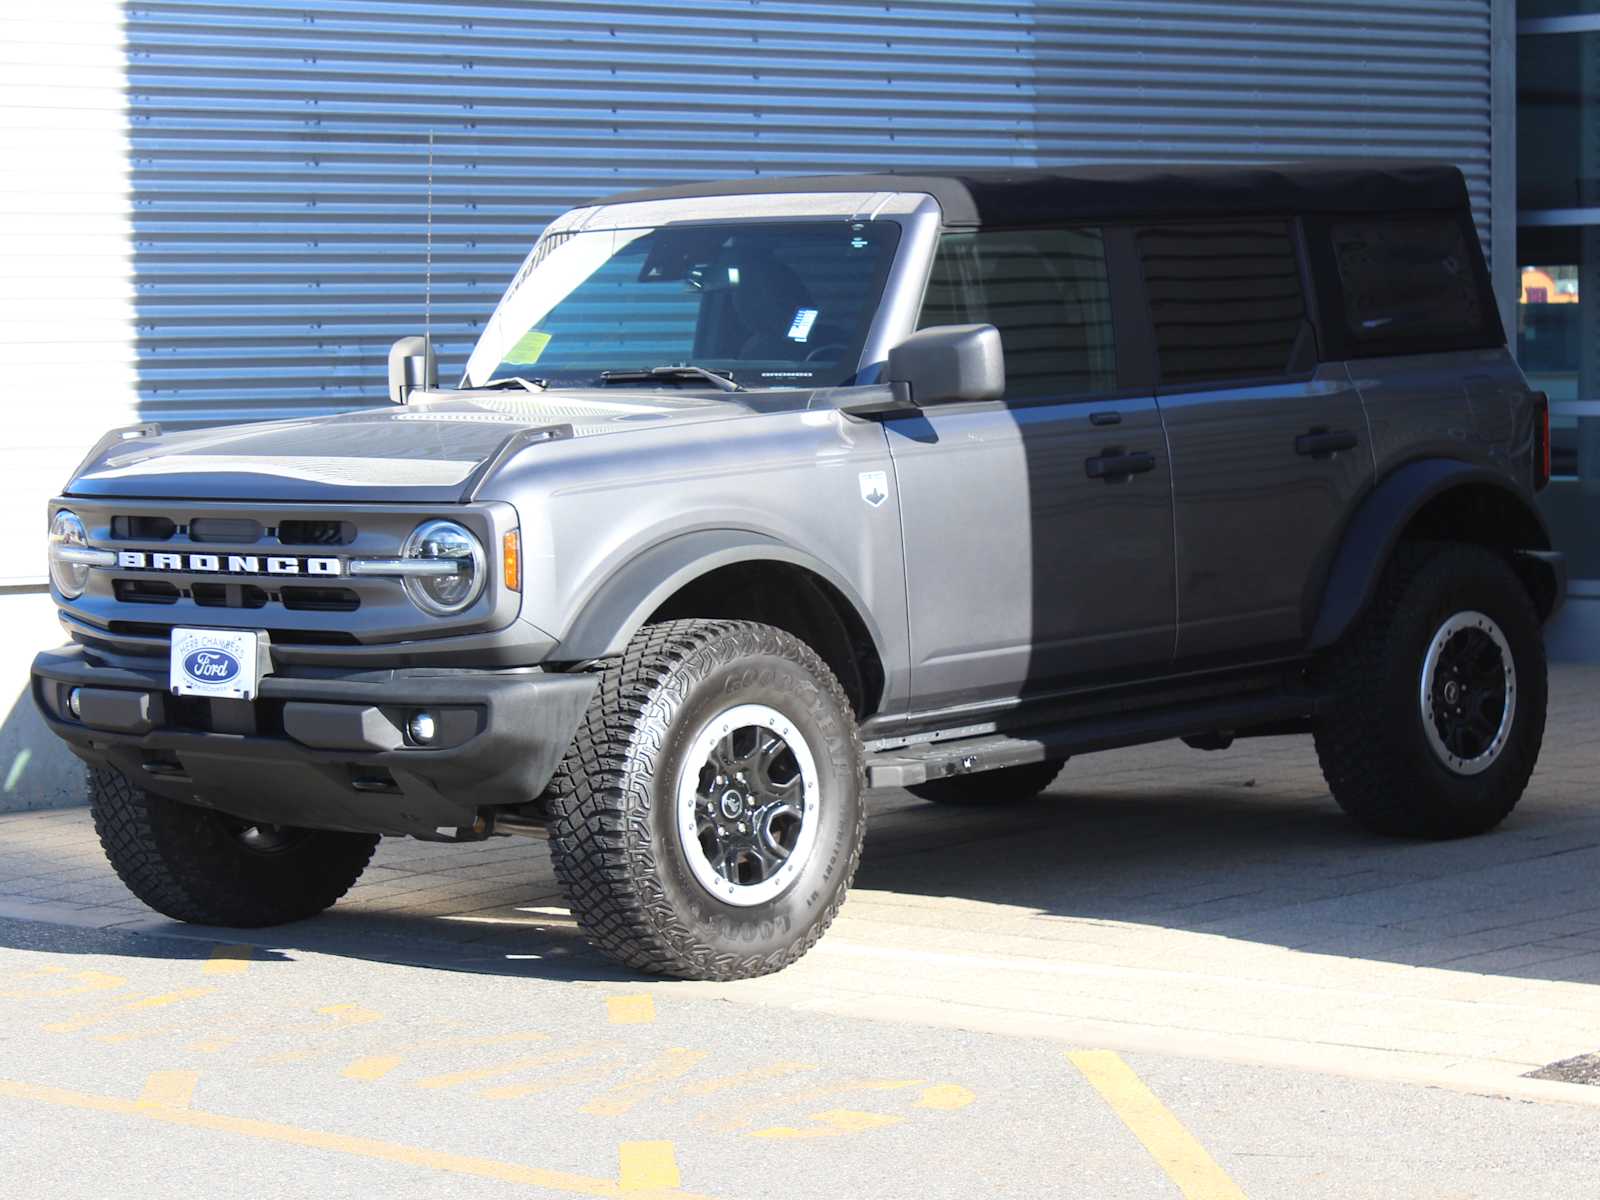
{"x": 1038, "y": 528}
{"x": 1270, "y": 450}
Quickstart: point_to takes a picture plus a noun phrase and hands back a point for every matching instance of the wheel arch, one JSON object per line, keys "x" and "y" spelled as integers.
{"x": 1435, "y": 498}
{"x": 735, "y": 574}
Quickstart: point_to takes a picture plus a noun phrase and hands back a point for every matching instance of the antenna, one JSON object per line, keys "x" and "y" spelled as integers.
{"x": 427, "y": 284}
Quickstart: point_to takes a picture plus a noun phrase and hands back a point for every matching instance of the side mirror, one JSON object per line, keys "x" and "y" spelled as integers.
{"x": 948, "y": 364}
{"x": 411, "y": 365}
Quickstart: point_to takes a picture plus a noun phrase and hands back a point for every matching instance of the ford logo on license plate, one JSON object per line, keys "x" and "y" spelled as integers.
{"x": 211, "y": 666}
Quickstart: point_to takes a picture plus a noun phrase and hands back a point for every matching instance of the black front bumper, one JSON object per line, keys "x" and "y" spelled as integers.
{"x": 323, "y": 751}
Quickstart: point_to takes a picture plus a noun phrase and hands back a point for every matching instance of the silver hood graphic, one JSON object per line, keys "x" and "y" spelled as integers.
{"x": 437, "y": 448}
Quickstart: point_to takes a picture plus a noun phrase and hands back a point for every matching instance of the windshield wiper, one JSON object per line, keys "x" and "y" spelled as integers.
{"x": 676, "y": 372}
{"x": 532, "y": 385}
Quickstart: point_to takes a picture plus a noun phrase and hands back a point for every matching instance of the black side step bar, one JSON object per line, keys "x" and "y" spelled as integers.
{"x": 910, "y": 765}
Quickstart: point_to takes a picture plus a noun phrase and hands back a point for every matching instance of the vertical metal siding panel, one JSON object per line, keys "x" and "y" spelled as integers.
{"x": 280, "y": 154}
{"x": 279, "y": 151}
{"x": 66, "y": 288}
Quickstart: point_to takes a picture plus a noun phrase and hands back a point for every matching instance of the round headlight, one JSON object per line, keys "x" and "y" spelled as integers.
{"x": 67, "y": 530}
{"x": 445, "y": 594}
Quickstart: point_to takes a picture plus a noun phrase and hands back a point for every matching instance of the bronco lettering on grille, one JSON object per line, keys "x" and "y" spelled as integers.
{"x": 229, "y": 564}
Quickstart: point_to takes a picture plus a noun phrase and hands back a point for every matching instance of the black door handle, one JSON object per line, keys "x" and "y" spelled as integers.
{"x": 1324, "y": 443}
{"x": 1114, "y": 465}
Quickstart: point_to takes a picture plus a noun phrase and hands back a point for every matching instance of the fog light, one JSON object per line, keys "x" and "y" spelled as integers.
{"x": 422, "y": 727}
{"x": 74, "y": 702}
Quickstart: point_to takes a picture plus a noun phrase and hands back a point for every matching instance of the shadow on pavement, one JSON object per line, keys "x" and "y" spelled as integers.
{"x": 1243, "y": 844}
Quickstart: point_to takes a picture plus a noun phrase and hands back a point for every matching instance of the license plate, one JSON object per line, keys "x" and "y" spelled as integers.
{"x": 224, "y": 663}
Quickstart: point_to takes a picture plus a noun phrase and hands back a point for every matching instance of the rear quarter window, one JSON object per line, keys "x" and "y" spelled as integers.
{"x": 1225, "y": 300}
{"x": 1412, "y": 285}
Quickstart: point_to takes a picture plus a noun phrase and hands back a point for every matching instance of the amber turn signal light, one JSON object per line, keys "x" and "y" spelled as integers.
{"x": 511, "y": 560}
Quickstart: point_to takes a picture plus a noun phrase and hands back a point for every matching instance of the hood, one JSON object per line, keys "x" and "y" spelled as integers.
{"x": 436, "y": 449}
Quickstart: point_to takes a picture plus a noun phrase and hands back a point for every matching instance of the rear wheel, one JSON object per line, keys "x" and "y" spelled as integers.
{"x": 1439, "y": 697}
{"x": 708, "y": 818}
{"x": 194, "y": 864}
{"x": 1009, "y": 785}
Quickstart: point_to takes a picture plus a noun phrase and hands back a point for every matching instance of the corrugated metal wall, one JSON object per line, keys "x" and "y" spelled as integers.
{"x": 280, "y": 166}
{"x": 278, "y": 153}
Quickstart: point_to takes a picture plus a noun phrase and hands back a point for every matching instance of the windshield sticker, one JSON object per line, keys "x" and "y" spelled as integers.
{"x": 526, "y": 349}
{"x": 800, "y": 327}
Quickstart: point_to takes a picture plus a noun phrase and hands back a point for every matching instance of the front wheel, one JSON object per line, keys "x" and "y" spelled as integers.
{"x": 194, "y": 864}
{"x": 1439, "y": 697}
{"x": 708, "y": 817}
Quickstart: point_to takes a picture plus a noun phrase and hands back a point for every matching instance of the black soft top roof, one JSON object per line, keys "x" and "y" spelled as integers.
{"x": 1027, "y": 196}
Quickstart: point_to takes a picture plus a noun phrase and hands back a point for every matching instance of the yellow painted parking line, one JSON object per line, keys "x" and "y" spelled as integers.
{"x": 647, "y": 1167}
{"x": 631, "y": 1010}
{"x": 512, "y": 1091}
{"x": 338, "y": 1143}
{"x": 1172, "y": 1146}
{"x": 742, "y": 1115}
{"x": 550, "y": 1083}
{"x": 722, "y": 1083}
{"x": 350, "y": 1014}
{"x": 85, "y": 1020}
{"x": 836, "y": 1122}
{"x": 228, "y": 960}
{"x": 375, "y": 1067}
{"x": 674, "y": 1064}
{"x": 87, "y": 981}
{"x": 170, "y": 1089}
{"x": 945, "y": 1097}
{"x": 510, "y": 1067}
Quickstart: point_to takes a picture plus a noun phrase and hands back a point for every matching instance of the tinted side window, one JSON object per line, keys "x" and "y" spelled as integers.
{"x": 1047, "y": 293}
{"x": 1225, "y": 299}
{"x": 1410, "y": 283}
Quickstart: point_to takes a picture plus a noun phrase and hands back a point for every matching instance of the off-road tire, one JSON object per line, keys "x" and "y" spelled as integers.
{"x": 190, "y": 864}
{"x": 614, "y": 838}
{"x": 1372, "y": 742}
{"x": 991, "y": 789}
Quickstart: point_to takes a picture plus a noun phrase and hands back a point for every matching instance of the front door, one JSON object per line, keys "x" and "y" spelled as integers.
{"x": 1037, "y": 528}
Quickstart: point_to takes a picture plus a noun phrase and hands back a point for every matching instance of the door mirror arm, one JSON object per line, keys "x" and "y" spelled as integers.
{"x": 948, "y": 364}
{"x": 412, "y": 365}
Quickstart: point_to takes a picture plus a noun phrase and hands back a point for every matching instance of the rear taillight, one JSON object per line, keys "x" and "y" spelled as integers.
{"x": 1541, "y": 449}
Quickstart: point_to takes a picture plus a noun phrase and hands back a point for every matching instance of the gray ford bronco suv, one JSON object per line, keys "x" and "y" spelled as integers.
{"x": 759, "y": 494}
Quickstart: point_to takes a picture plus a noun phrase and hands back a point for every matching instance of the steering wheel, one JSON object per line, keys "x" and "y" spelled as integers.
{"x": 827, "y": 348}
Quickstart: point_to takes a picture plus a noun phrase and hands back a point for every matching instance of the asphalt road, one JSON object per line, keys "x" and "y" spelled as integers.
{"x": 1177, "y": 975}
{"x": 143, "y": 1065}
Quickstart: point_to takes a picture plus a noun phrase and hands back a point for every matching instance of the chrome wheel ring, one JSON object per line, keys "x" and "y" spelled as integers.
{"x": 747, "y": 805}
{"x": 1468, "y": 693}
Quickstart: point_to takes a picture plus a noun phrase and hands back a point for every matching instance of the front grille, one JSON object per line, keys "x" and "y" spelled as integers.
{"x": 143, "y": 529}
{"x": 228, "y": 595}
{"x": 238, "y": 531}
{"x": 278, "y": 567}
{"x": 316, "y": 533}
{"x": 145, "y": 591}
{"x": 319, "y": 599}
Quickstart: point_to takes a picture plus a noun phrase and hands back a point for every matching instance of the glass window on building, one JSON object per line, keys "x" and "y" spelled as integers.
{"x": 1558, "y": 251}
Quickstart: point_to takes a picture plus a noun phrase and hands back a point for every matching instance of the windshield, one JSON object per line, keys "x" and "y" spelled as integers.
{"x": 769, "y": 304}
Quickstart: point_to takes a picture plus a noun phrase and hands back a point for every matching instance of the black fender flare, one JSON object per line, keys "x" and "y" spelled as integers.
{"x": 1381, "y": 519}
{"x": 615, "y": 610}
